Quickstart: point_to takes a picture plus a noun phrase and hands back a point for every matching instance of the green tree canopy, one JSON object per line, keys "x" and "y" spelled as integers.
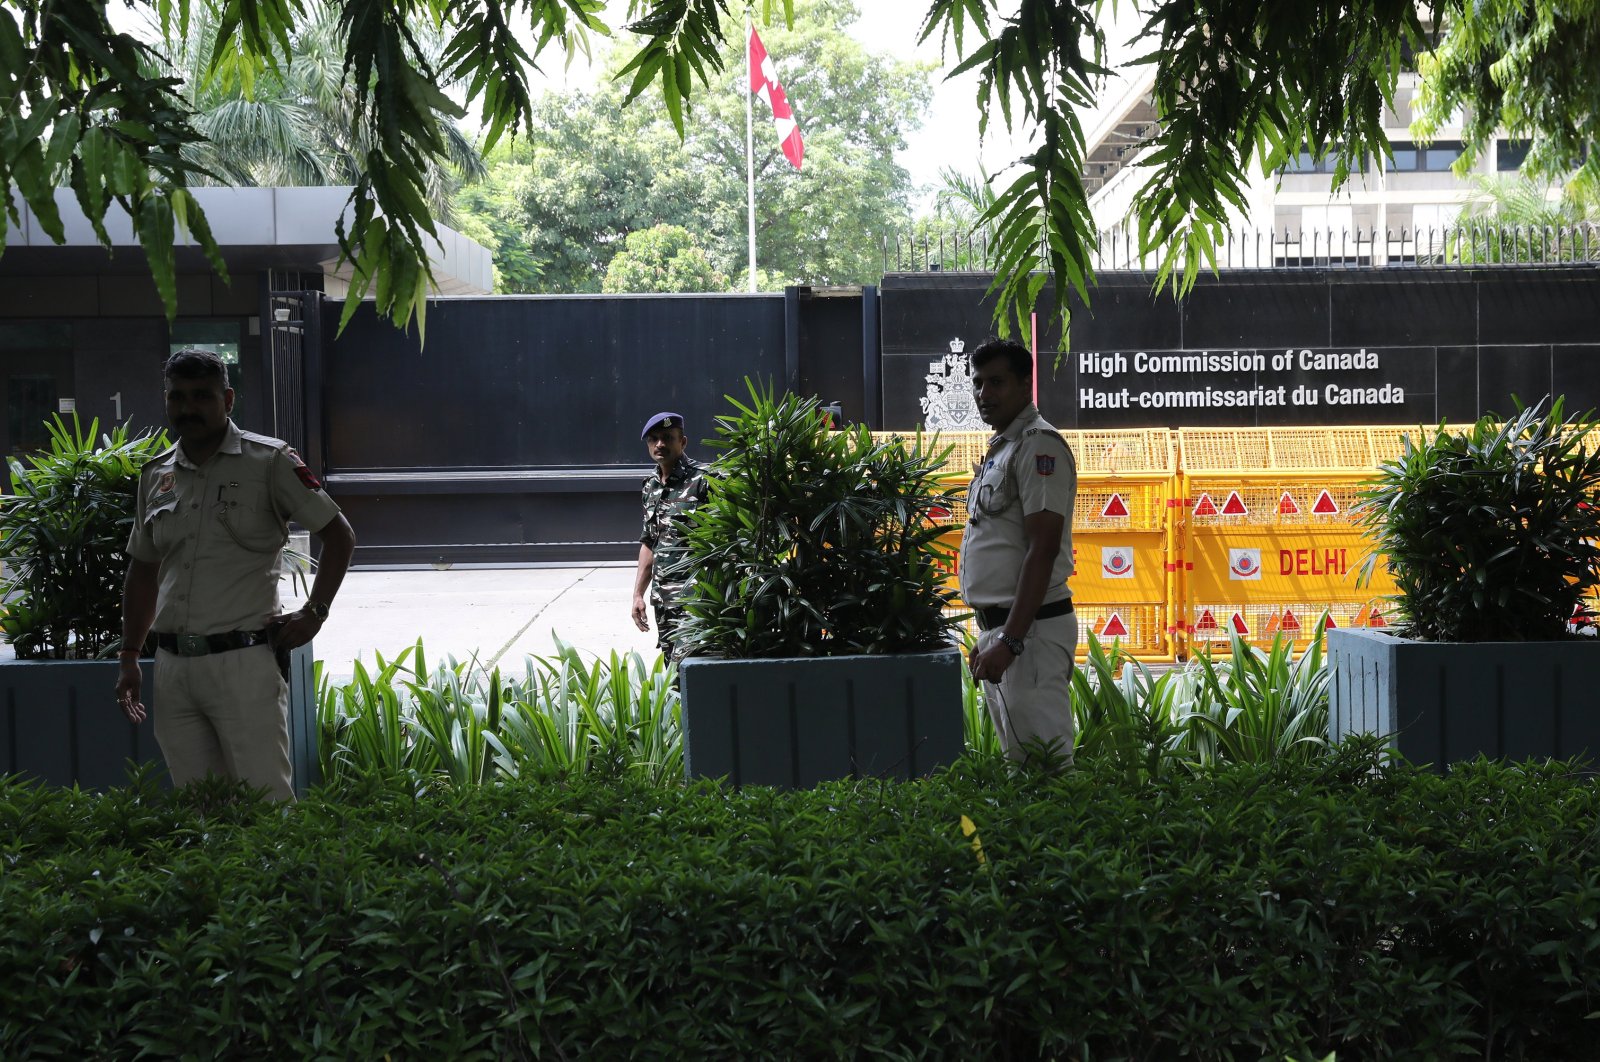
{"x": 588, "y": 170}
{"x": 1529, "y": 66}
{"x": 1235, "y": 81}
{"x": 559, "y": 200}
{"x": 662, "y": 258}
{"x": 296, "y": 124}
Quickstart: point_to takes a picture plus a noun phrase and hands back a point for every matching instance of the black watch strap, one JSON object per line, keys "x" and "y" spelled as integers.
{"x": 317, "y": 609}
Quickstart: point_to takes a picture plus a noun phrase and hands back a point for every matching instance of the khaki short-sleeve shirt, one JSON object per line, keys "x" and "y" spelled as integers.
{"x": 217, "y": 530}
{"x": 1028, "y": 469}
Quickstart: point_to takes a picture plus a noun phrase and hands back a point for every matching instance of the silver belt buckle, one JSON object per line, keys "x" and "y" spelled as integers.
{"x": 193, "y": 645}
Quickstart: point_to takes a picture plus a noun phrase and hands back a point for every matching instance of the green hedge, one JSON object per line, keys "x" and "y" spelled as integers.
{"x": 1288, "y": 911}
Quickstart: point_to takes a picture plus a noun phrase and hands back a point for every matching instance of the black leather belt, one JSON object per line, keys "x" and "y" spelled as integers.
{"x": 996, "y": 616}
{"x": 206, "y": 644}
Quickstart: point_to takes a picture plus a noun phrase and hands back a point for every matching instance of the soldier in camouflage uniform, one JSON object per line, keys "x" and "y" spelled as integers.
{"x": 670, "y": 493}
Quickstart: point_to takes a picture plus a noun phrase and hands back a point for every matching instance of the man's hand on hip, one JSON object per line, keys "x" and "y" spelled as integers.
{"x": 293, "y": 629}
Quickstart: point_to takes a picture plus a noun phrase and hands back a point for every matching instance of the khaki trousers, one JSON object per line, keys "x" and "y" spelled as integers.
{"x": 225, "y": 714}
{"x": 1032, "y": 703}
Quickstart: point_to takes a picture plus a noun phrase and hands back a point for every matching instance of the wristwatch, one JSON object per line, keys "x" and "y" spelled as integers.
{"x": 317, "y": 609}
{"x": 1014, "y": 644}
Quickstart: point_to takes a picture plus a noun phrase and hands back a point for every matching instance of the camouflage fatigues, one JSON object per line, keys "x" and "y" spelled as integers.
{"x": 666, "y": 510}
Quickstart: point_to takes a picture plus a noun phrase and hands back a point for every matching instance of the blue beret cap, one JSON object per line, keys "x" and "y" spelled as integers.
{"x": 662, "y": 420}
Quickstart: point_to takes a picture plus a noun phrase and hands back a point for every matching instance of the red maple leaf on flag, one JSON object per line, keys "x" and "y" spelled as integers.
{"x": 764, "y": 83}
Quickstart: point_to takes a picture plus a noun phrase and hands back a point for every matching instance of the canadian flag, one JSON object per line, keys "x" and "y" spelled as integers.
{"x": 764, "y": 83}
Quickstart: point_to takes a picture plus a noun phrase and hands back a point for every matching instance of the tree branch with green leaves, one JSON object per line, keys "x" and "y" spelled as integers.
{"x": 1236, "y": 83}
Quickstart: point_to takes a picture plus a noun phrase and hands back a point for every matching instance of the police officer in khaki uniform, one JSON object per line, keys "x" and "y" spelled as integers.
{"x": 670, "y": 493}
{"x": 1016, "y": 556}
{"x": 203, "y": 565}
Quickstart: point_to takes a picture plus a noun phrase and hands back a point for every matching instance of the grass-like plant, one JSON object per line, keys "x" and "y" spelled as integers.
{"x": 613, "y": 714}
{"x": 63, "y": 527}
{"x": 462, "y": 725}
{"x": 1122, "y": 712}
{"x": 983, "y": 740}
{"x": 457, "y": 724}
{"x": 815, "y": 542}
{"x": 1256, "y": 706}
{"x": 1259, "y": 705}
{"x": 1490, "y": 532}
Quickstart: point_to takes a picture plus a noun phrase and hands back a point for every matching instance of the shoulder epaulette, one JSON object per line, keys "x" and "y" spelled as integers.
{"x": 1052, "y": 432}
{"x": 263, "y": 440}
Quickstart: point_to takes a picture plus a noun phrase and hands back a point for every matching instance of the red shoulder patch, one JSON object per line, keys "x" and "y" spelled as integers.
{"x": 301, "y": 470}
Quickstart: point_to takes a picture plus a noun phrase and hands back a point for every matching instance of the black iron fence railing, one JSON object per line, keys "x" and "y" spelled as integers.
{"x": 1467, "y": 244}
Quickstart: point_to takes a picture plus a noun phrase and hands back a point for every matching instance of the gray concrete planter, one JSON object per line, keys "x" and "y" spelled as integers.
{"x": 59, "y": 722}
{"x": 797, "y": 722}
{"x": 1442, "y": 702}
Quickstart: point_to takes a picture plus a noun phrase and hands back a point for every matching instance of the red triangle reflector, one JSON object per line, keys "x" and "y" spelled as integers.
{"x": 1287, "y": 506}
{"x": 1234, "y": 506}
{"x": 1205, "y": 506}
{"x": 1207, "y": 621}
{"x": 1377, "y": 620}
{"x": 1328, "y": 622}
{"x": 1115, "y": 506}
{"x": 1114, "y": 627}
{"x": 1238, "y": 624}
{"x": 1289, "y": 621}
{"x": 1325, "y": 505}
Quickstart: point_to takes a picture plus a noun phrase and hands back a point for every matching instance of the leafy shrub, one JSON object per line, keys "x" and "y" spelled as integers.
{"x": 62, "y": 531}
{"x": 814, "y": 542}
{"x": 1490, "y": 532}
{"x": 1253, "y": 912}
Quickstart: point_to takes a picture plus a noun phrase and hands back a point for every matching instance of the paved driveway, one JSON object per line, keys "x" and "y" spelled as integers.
{"x": 502, "y": 614}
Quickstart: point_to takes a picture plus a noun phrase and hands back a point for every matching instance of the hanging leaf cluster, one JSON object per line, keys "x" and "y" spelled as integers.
{"x": 1235, "y": 85}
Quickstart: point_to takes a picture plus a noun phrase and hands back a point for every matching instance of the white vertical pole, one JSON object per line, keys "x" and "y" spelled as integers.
{"x": 750, "y": 154}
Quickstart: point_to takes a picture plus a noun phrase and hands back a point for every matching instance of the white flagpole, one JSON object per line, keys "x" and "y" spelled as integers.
{"x": 750, "y": 154}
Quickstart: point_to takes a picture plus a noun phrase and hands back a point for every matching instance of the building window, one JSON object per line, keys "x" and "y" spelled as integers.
{"x": 1441, "y": 155}
{"x": 37, "y": 362}
{"x": 1410, "y": 157}
{"x": 1510, "y": 154}
{"x": 30, "y": 403}
{"x": 219, "y": 337}
{"x": 1326, "y": 220}
{"x": 1304, "y": 163}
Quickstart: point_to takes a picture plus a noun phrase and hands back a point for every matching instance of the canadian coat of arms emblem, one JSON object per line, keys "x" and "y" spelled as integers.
{"x": 947, "y": 404}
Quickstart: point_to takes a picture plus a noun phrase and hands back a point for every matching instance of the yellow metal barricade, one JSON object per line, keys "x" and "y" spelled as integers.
{"x": 1267, "y": 540}
{"x": 1123, "y": 540}
{"x": 1181, "y": 539}
{"x": 1122, "y": 529}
